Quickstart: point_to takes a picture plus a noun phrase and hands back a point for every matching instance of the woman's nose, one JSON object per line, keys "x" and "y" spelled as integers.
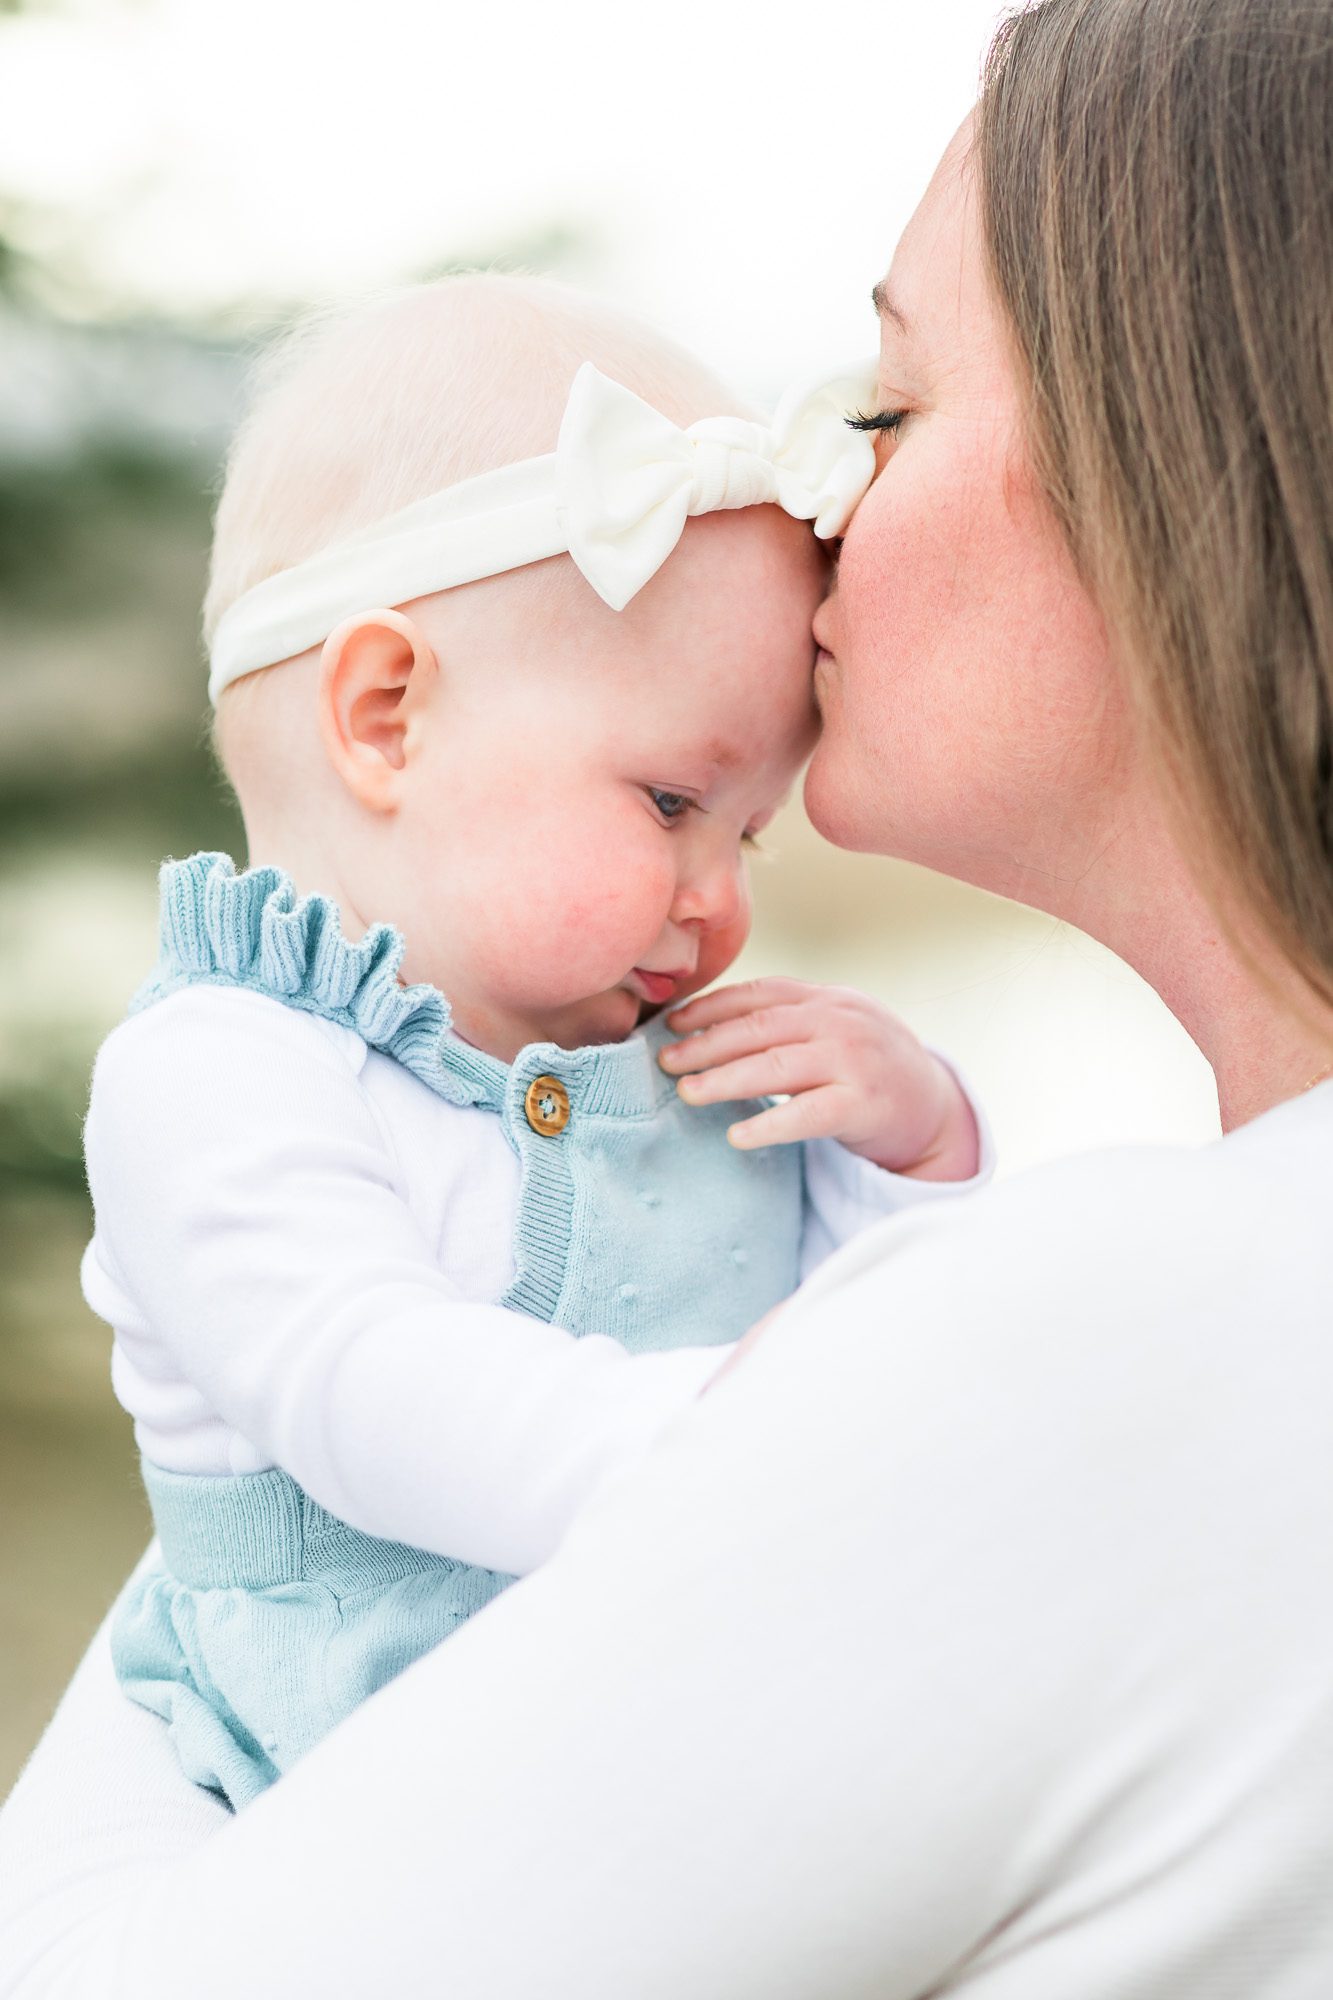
{"x": 822, "y": 626}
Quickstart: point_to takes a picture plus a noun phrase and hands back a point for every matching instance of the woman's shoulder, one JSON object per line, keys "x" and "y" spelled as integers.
{"x": 1168, "y": 1248}
{"x": 1185, "y": 1220}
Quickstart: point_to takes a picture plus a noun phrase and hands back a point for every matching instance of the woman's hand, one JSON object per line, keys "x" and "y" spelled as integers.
{"x": 847, "y": 1068}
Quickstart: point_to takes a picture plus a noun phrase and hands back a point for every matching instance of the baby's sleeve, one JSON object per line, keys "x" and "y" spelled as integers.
{"x": 845, "y": 1194}
{"x": 250, "y": 1210}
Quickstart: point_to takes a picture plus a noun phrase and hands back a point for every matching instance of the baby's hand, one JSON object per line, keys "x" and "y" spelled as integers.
{"x": 849, "y": 1070}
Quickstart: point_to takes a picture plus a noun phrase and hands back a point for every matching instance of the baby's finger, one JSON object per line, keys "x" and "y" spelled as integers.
{"x": 771, "y": 1072}
{"x": 724, "y": 1041}
{"x": 723, "y": 1003}
{"x": 818, "y": 1114}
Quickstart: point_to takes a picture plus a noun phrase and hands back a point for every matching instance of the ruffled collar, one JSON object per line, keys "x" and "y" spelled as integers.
{"x": 253, "y": 930}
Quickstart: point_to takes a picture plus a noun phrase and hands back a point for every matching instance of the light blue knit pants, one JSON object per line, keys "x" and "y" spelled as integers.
{"x": 269, "y": 1620}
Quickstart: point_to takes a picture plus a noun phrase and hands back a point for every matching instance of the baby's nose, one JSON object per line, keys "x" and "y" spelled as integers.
{"x": 712, "y": 899}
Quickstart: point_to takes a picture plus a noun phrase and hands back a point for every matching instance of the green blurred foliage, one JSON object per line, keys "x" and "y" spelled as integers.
{"x": 85, "y": 549}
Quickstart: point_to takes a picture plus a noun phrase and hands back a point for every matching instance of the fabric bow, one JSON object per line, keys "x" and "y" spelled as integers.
{"x": 616, "y": 493}
{"x": 628, "y": 479}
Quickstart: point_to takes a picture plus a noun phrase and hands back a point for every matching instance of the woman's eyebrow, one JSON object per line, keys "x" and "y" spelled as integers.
{"x": 888, "y": 309}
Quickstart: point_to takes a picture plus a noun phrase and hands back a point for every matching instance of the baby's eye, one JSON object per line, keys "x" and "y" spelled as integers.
{"x": 671, "y": 805}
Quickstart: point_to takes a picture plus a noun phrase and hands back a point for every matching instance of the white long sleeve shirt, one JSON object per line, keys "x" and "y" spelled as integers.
{"x": 974, "y": 1637}
{"x": 298, "y": 1244}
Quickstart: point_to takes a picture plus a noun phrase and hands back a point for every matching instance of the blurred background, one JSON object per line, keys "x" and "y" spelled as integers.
{"x": 177, "y": 178}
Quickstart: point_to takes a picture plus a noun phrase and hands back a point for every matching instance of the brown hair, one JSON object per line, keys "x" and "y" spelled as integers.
{"x": 1157, "y": 194}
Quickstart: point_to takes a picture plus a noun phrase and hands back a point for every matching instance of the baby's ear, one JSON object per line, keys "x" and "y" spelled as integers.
{"x": 374, "y": 672}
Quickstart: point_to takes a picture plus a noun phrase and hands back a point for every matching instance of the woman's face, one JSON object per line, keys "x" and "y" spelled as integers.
{"x": 970, "y": 718}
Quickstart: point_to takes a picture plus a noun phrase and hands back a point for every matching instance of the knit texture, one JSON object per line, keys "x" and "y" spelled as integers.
{"x": 638, "y": 1220}
{"x": 269, "y": 1619}
{"x": 218, "y": 928}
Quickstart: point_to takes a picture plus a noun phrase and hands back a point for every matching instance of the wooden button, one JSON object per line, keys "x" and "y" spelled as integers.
{"x": 547, "y": 1106}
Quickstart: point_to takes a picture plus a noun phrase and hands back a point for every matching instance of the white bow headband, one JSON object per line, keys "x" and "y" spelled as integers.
{"x": 615, "y": 493}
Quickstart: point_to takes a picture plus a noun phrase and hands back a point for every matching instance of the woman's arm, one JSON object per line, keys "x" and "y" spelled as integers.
{"x": 697, "y": 1754}
{"x": 943, "y": 1638}
{"x": 101, "y": 1808}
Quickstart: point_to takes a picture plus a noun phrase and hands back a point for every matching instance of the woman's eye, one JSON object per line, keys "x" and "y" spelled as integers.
{"x": 877, "y": 420}
{"x": 671, "y": 805}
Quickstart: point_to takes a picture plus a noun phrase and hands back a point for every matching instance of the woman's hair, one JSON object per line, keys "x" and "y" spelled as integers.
{"x": 1156, "y": 185}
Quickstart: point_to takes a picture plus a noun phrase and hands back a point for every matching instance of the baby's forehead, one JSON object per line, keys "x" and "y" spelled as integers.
{"x": 362, "y": 413}
{"x": 478, "y": 368}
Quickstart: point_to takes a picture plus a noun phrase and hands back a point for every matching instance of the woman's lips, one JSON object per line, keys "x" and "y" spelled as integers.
{"x": 655, "y": 987}
{"x": 824, "y": 664}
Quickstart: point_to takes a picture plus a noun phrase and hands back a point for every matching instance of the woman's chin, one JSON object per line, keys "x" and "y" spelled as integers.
{"x": 831, "y": 802}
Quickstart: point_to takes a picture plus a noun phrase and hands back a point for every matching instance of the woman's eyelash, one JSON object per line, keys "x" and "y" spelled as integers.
{"x": 878, "y": 420}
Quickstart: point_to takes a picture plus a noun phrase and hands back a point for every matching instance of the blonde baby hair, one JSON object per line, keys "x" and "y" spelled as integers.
{"x": 359, "y": 412}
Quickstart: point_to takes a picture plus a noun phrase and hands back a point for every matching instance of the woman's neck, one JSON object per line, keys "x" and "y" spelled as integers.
{"x": 1266, "y": 1038}
{"x": 1257, "y": 1026}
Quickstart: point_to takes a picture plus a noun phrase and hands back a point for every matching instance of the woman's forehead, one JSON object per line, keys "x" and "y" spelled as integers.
{"x": 936, "y": 284}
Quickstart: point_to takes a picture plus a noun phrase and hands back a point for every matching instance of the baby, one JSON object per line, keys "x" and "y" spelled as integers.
{"x": 402, "y": 1273}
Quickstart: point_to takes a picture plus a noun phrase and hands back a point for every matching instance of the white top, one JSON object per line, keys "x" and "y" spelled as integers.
{"x": 298, "y": 1243}
{"x": 975, "y": 1636}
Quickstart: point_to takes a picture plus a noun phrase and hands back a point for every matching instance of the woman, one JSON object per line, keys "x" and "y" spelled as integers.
{"x": 978, "y": 1633}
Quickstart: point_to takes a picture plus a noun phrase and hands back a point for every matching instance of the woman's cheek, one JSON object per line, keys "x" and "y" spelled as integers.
{"x": 969, "y": 664}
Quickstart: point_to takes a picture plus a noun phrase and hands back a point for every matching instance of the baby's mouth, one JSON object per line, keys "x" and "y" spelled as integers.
{"x": 654, "y": 987}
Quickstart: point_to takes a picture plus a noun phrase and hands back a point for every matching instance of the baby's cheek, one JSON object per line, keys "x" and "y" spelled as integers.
{"x": 570, "y": 914}
{"x": 618, "y": 907}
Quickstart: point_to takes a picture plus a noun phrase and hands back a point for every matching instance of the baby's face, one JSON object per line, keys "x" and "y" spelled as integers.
{"x": 571, "y": 852}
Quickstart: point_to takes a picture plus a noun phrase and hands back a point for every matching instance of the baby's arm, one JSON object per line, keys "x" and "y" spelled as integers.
{"x": 249, "y": 1205}
{"x": 886, "y": 1123}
